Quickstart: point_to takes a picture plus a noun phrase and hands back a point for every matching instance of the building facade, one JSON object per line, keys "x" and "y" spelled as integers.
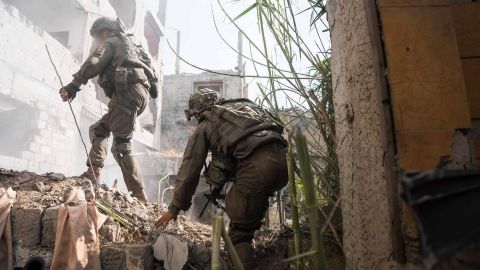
{"x": 38, "y": 130}
{"x": 175, "y": 129}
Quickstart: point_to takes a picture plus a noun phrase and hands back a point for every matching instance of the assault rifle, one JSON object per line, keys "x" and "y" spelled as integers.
{"x": 212, "y": 198}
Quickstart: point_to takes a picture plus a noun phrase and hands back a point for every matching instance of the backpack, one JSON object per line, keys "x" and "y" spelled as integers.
{"x": 236, "y": 119}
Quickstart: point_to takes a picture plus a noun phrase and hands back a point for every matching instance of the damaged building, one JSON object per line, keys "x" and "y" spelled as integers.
{"x": 177, "y": 88}
{"x": 42, "y": 136}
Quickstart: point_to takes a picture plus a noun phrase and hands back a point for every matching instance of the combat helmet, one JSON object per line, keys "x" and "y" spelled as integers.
{"x": 201, "y": 100}
{"x": 106, "y": 23}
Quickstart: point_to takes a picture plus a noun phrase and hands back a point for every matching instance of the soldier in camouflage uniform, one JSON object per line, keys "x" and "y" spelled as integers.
{"x": 128, "y": 78}
{"x": 246, "y": 146}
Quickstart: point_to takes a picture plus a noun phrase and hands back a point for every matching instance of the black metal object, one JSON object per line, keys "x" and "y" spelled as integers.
{"x": 212, "y": 198}
{"x": 446, "y": 205}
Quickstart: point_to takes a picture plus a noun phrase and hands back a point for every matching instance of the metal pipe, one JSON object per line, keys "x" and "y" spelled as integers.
{"x": 163, "y": 193}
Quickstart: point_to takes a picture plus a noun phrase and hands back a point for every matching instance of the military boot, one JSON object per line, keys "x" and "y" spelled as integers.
{"x": 247, "y": 255}
{"x": 92, "y": 173}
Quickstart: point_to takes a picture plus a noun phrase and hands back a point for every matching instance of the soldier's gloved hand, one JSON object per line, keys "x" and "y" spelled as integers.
{"x": 153, "y": 90}
{"x": 69, "y": 92}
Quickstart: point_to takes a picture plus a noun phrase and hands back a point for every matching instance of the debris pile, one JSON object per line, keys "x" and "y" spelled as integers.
{"x": 34, "y": 224}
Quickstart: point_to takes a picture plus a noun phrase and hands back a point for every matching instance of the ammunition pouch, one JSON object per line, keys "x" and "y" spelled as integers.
{"x": 220, "y": 170}
{"x": 125, "y": 76}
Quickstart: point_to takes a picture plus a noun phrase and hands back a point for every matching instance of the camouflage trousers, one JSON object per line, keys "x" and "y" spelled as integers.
{"x": 257, "y": 177}
{"x": 123, "y": 109}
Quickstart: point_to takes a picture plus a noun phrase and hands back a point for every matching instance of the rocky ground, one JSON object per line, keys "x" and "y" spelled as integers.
{"x": 34, "y": 217}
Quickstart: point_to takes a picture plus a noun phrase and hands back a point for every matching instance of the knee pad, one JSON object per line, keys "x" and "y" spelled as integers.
{"x": 121, "y": 148}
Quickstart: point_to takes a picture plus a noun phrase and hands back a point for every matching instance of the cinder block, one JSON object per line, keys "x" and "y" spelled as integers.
{"x": 41, "y": 124}
{"x": 34, "y": 147}
{"x": 41, "y": 105}
{"x": 26, "y": 226}
{"x": 110, "y": 232}
{"x": 132, "y": 257}
{"x": 43, "y": 116}
{"x": 26, "y": 155}
{"x": 44, "y": 167}
{"x": 46, "y": 150}
{"x": 49, "y": 226}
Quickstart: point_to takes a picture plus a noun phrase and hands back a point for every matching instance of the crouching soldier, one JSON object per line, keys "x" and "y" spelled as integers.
{"x": 128, "y": 78}
{"x": 247, "y": 146}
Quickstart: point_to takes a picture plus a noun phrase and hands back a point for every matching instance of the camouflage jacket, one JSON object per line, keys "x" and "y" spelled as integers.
{"x": 116, "y": 51}
{"x": 206, "y": 137}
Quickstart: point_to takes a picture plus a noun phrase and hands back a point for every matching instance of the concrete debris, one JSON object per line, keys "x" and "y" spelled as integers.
{"x": 132, "y": 257}
{"x": 39, "y": 186}
{"x": 56, "y": 176}
{"x": 34, "y": 223}
{"x": 49, "y": 226}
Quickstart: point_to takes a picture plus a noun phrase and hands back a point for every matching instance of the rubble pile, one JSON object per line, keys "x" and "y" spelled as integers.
{"x": 35, "y": 211}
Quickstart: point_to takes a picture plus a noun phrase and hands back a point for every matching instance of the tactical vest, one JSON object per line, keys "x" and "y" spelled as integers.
{"x": 236, "y": 119}
{"x": 127, "y": 55}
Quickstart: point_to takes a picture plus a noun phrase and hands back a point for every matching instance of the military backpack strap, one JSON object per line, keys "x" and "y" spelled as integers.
{"x": 236, "y": 124}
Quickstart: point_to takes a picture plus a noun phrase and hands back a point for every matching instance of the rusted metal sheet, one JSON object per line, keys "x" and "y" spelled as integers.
{"x": 419, "y": 151}
{"x": 467, "y": 27}
{"x": 471, "y": 72}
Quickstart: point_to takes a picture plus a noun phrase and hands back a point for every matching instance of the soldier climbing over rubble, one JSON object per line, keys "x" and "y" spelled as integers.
{"x": 247, "y": 148}
{"x": 128, "y": 78}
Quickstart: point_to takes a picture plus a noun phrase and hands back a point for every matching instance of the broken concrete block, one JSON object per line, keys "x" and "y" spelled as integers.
{"x": 172, "y": 250}
{"x": 23, "y": 255}
{"x": 132, "y": 257}
{"x": 38, "y": 186}
{"x": 56, "y": 176}
{"x": 111, "y": 232}
{"x": 26, "y": 226}
{"x": 49, "y": 226}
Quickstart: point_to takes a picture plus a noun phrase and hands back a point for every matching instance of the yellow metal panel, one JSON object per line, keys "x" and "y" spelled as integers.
{"x": 423, "y": 150}
{"x": 467, "y": 27}
{"x": 471, "y": 72}
{"x": 424, "y": 69}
